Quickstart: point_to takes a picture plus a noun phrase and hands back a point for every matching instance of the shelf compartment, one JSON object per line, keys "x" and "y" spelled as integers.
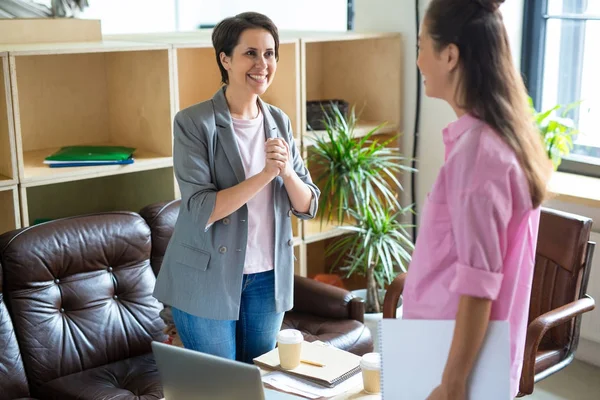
{"x": 10, "y": 216}
{"x": 318, "y": 263}
{"x": 8, "y": 160}
{"x": 119, "y": 97}
{"x": 364, "y": 70}
{"x": 127, "y": 192}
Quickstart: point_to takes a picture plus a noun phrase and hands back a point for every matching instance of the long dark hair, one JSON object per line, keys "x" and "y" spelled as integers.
{"x": 490, "y": 87}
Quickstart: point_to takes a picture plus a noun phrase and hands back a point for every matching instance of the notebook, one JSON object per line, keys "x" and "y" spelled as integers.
{"x": 92, "y": 153}
{"x": 61, "y": 164}
{"x": 339, "y": 365}
{"x": 414, "y": 354}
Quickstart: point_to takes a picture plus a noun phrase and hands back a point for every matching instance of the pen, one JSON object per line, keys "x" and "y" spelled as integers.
{"x": 316, "y": 364}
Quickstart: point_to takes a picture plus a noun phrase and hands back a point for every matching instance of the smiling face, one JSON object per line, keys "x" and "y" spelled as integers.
{"x": 252, "y": 64}
{"x": 438, "y": 67}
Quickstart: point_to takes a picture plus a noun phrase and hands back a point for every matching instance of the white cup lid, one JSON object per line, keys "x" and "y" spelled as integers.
{"x": 371, "y": 361}
{"x": 290, "y": 336}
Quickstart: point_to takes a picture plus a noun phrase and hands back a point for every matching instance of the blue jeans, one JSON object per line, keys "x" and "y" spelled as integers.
{"x": 253, "y": 334}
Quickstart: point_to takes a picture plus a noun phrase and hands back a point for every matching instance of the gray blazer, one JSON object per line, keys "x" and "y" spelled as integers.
{"x": 202, "y": 270}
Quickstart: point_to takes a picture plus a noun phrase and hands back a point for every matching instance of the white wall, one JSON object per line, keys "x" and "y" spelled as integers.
{"x": 141, "y": 16}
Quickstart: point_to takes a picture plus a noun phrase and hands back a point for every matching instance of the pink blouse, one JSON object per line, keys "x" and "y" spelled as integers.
{"x": 477, "y": 236}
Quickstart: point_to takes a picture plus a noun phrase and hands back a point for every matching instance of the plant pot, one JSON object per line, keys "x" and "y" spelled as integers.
{"x": 372, "y": 319}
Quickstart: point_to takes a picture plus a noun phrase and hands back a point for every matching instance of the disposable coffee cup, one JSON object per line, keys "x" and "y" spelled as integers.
{"x": 289, "y": 343}
{"x": 370, "y": 364}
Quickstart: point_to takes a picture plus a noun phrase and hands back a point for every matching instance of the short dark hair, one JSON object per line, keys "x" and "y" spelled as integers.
{"x": 226, "y": 35}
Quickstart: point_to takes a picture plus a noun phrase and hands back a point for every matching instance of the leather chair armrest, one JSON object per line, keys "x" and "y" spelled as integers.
{"x": 392, "y": 295}
{"x": 327, "y": 301}
{"x": 538, "y": 328}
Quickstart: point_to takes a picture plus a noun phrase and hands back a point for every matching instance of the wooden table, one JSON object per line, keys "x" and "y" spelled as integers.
{"x": 354, "y": 394}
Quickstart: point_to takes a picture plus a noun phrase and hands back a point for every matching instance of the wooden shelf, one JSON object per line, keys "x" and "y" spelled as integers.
{"x": 125, "y": 192}
{"x": 37, "y": 173}
{"x": 6, "y": 181}
{"x": 8, "y": 159}
{"x": 361, "y": 131}
{"x": 329, "y": 36}
{"x": 36, "y": 30}
{"x": 10, "y": 217}
{"x": 314, "y": 232}
{"x": 35, "y": 49}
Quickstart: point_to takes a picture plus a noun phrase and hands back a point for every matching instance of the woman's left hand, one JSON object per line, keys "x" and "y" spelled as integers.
{"x": 277, "y": 148}
{"x": 445, "y": 392}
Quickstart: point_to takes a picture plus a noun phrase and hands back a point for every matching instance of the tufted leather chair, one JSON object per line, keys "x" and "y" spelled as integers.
{"x": 79, "y": 292}
{"x": 558, "y": 295}
{"x": 321, "y": 312}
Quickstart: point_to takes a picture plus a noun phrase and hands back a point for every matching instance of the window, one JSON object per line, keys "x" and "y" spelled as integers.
{"x": 560, "y": 61}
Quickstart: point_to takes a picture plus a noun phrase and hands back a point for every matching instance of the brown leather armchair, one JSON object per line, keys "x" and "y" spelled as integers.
{"x": 321, "y": 312}
{"x": 79, "y": 292}
{"x": 558, "y": 297}
{"x": 13, "y": 382}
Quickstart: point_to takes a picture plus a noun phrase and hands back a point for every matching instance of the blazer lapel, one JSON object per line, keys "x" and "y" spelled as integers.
{"x": 270, "y": 127}
{"x": 227, "y": 135}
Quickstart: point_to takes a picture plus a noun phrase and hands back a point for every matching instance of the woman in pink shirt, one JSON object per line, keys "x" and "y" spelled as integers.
{"x": 474, "y": 257}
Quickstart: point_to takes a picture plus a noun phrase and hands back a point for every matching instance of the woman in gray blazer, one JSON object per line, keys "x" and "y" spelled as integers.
{"x": 228, "y": 270}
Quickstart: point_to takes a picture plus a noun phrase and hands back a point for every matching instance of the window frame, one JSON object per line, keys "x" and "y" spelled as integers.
{"x": 535, "y": 19}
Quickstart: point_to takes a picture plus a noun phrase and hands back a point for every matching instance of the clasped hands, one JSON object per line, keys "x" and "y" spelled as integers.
{"x": 277, "y": 162}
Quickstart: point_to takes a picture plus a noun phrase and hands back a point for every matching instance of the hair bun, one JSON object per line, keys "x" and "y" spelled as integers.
{"x": 490, "y": 5}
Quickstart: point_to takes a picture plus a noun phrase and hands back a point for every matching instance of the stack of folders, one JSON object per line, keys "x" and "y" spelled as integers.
{"x": 86, "y": 156}
{"x": 331, "y": 366}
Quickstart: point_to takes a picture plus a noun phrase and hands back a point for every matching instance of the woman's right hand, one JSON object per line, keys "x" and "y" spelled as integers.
{"x": 273, "y": 165}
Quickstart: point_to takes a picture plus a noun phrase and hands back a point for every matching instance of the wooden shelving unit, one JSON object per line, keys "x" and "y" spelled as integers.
{"x": 10, "y": 217}
{"x": 126, "y": 89}
{"x": 91, "y": 93}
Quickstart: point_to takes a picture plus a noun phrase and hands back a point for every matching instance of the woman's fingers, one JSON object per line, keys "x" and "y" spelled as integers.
{"x": 277, "y": 146}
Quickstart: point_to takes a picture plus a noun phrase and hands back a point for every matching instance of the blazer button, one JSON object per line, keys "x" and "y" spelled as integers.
{"x": 226, "y": 221}
{"x": 222, "y": 249}
{"x": 290, "y": 242}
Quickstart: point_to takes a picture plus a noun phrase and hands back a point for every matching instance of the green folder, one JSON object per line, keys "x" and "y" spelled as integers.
{"x": 92, "y": 153}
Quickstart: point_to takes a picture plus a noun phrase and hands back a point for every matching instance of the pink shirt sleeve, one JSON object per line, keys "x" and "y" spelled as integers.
{"x": 479, "y": 226}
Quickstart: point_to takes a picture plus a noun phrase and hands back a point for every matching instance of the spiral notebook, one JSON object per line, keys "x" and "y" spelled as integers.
{"x": 414, "y": 354}
{"x": 339, "y": 365}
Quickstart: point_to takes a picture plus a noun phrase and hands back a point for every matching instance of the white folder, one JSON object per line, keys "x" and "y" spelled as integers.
{"x": 414, "y": 354}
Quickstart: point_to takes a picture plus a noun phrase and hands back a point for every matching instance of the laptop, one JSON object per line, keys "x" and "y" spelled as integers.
{"x": 191, "y": 375}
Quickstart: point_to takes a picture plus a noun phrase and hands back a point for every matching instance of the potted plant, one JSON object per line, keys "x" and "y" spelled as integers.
{"x": 359, "y": 185}
{"x": 557, "y": 131}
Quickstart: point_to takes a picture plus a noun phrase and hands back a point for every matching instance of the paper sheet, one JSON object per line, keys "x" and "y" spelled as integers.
{"x": 291, "y": 384}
